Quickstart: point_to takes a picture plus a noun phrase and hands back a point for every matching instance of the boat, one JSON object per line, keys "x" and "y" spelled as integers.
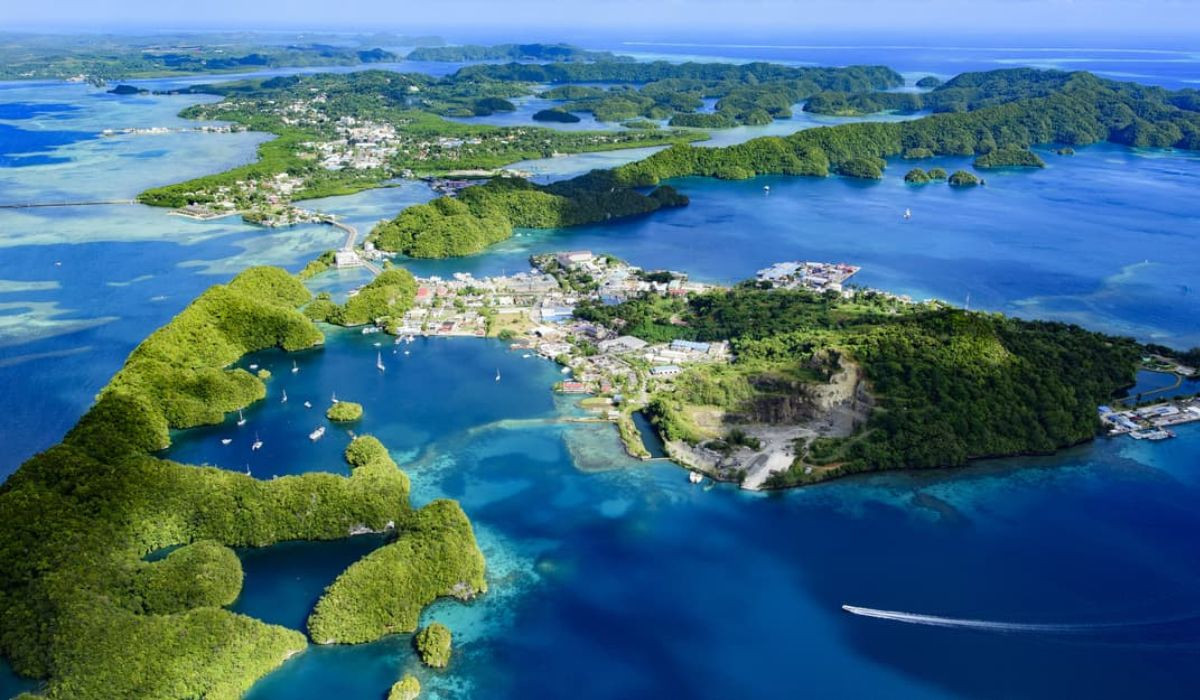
{"x": 767, "y": 189}
{"x": 334, "y": 397}
{"x": 378, "y": 345}
{"x": 695, "y": 477}
{"x": 295, "y": 367}
{"x": 247, "y": 470}
{"x": 379, "y": 362}
{"x": 497, "y": 374}
{"x": 308, "y": 404}
{"x": 316, "y": 434}
{"x": 405, "y": 352}
{"x": 257, "y": 443}
{"x": 284, "y": 399}
{"x": 253, "y": 366}
{"x": 908, "y": 213}
{"x": 566, "y": 370}
{"x": 241, "y": 419}
{"x": 370, "y": 330}
{"x": 226, "y": 441}
{"x": 526, "y": 356}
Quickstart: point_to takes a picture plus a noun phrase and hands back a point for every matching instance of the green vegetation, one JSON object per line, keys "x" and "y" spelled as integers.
{"x": 929, "y": 81}
{"x": 998, "y": 110}
{"x": 383, "y": 593}
{"x": 81, "y": 608}
{"x": 962, "y": 178}
{"x": 433, "y": 644}
{"x": 344, "y": 412}
{"x": 555, "y": 115}
{"x": 121, "y": 55}
{"x": 485, "y": 214}
{"x": 948, "y": 385}
{"x": 843, "y": 104}
{"x": 1009, "y": 157}
{"x": 864, "y": 168}
{"x": 1066, "y": 151}
{"x": 511, "y": 52}
{"x": 937, "y": 174}
{"x": 916, "y": 176}
{"x": 407, "y": 688}
{"x": 390, "y": 295}
{"x": 490, "y": 105}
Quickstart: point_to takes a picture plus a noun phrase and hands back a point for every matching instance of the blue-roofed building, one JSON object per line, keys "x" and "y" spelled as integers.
{"x": 689, "y": 345}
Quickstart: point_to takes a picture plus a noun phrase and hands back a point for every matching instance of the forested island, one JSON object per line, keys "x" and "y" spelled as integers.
{"x": 512, "y": 52}
{"x": 904, "y": 385}
{"x": 85, "y": 611}
{"x": 101, "y": 58}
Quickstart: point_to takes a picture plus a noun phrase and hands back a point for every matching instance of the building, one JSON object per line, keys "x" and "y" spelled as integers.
{"x": 690, "y": 346}
{"x": 574, "y": 257}
{"x": 624, "y": 343}
{"x": 665, "y": 370}
{"x": 347, "y": 258}
{"x": 573, "y": 388}
{"x": 555, "y": 314}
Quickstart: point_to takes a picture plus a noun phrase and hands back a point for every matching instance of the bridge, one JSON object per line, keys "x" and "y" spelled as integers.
{"x": 37, "y": 205}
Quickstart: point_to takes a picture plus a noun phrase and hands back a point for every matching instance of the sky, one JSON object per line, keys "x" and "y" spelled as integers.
{"x": 533, "y": 19}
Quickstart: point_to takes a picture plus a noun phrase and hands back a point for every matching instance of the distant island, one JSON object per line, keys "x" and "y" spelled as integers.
{"x": 512, "y": 52}
{"x": 128, "y": 90}
{"x": 555, "y": 115}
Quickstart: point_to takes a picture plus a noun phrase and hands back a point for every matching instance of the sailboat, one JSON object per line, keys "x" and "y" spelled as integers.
{"x": 334, "y": 397}
{"x": 907, "y": 214}
{"x": 295, "y": 367}
{"x": 247, "y": 470}
{"x": 379, "y": 362}
{"x": 766, "y": 189}
{"x": 497, "y": 374}
{"x": 257, "y": 442}
{"x": 284, "y": 399}
{"x": 241, "y": 419}
{"x": 308, "y": 404}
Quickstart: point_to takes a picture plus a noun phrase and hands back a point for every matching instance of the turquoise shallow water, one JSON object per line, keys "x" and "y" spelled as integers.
{"x": 622, "y": 573}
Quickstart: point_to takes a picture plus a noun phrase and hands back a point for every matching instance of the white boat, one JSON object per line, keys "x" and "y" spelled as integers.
{"x": 226, "y": 441}
{"x": 334, "y": 397}
{"x": 379, "y": 362}
{"x": 316, "y": 434}
{"x": 526, "y": 356}
{"x": 247, "y": 470}
{"x": 370, "y": 330}
{"x": 565, "y": 370}
{"x": 308, "y": 404}
{"x": 257, "y": 443}
{"x": 695, "y": 477}
{"x": 253, "y": 366}
{"x": 766, "y": 188}
{"x": 284, "y": 399}
{"x": 241, "y": 419}
{"x": 497, "y": 374}
{"x": 378, "y": 345}
{"x": 405, "y": 352}
{"x": 908, "y": 213}
{"x": 295, "y": 367}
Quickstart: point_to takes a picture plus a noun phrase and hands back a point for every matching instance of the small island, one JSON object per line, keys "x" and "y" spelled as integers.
{"x": 555, "y": 114}
{"x": 916, "y": 176}
{"x": 929, "y": 82}
{"x": 123, "y": 89}
{"x": 433, "y": 644}
{"x": 407, "y": 688}
{"x": 962, "y": 178}
{"x": 862, "y": 168}
{"x": 344, "y": 412}
{"x": 1066, "y": 151}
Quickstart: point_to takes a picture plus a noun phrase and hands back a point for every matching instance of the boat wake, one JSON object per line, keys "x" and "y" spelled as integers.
{"x": 1183, "y": 631}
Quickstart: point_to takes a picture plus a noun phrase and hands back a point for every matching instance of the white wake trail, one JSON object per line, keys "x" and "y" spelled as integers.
{"x": 962, "y": 623}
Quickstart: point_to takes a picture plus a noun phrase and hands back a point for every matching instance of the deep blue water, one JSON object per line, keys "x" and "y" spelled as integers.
{"x": 619, "y": 572}
{"x": 15, "y": 143}
{"x": 608, "y": 572}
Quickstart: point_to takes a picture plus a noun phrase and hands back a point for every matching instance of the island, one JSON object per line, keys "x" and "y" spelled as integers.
{"x": 555, "y": 114}
{"x": 433, "y": 645}
{"x": 407, "y": 688}
{"x": 512, "y": 52}
{"x": 88, "y": 613}
{"x": 344, "y": 412}
{"x": 917, "y": 176}
{"x": 962, "y": 178}
{"x": 929, "y": 81}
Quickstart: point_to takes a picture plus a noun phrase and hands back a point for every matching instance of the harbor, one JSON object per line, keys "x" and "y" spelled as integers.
{"x": 1152, "y": 422}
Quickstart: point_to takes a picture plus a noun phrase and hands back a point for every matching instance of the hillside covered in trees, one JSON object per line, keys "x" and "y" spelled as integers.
{"x": 79, "y": 605}
{"x": 948, "y": 385}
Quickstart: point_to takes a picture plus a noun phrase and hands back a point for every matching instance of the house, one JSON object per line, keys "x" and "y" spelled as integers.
{"x": 665, "y": 370}
{"x": 689, "y": 346}
{"x": 573, "y": 388}
{"x": 347, "y": 258}
{"x": 574, "y": 257}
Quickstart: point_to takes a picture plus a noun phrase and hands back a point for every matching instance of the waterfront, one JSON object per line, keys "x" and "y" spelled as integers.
{"x": 602, "y": 567}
